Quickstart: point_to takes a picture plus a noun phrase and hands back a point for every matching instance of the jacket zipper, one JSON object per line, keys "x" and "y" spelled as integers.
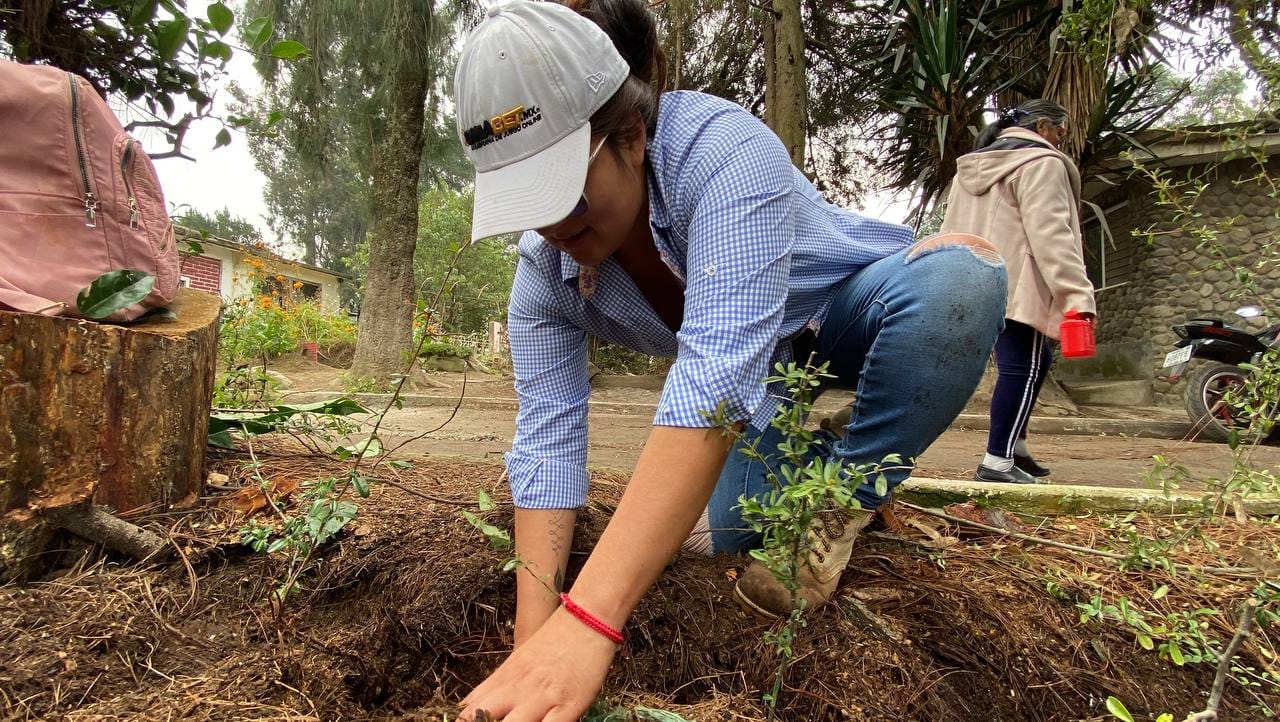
{"x": 90, "y": 201}
{"x": 128, "y": 187}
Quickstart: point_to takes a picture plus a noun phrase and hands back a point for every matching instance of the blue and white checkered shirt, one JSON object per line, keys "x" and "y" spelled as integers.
{"x": 760, "y": 255}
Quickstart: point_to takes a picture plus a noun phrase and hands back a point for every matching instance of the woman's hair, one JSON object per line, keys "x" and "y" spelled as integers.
{"x": 634, "y": 32}
{"x": 1023, "y": 116}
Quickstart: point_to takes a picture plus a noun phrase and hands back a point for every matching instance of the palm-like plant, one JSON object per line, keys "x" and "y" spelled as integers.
{"x": 933, "y": 78}
{"x": 943, "y": 63}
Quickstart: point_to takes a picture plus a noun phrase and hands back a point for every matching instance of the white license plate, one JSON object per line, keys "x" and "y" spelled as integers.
{"x": 1178, "y": 356}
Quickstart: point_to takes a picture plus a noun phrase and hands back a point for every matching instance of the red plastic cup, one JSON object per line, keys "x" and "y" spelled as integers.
{"x": 1076, "y": 333}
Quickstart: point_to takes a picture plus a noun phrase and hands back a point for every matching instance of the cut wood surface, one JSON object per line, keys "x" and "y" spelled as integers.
{"x": 111, "y": 415}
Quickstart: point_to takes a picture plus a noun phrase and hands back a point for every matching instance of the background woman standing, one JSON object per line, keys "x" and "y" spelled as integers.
{"x": 1020, "y": 192}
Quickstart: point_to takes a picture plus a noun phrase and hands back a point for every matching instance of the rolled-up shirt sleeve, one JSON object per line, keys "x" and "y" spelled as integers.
{"x": 547, "y": 464}
{"x": 741, "y": 229}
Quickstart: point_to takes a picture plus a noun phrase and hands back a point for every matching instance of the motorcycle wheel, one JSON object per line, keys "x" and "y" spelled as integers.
{"x": 1205, "y": 388}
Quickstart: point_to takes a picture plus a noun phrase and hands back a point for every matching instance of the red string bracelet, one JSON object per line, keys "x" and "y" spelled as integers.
{"x": 591, "y": 620}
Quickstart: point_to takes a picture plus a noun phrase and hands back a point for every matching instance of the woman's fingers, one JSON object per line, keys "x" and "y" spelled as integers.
{"x": 563, "y": 714}
{"x": 482, "y": 700}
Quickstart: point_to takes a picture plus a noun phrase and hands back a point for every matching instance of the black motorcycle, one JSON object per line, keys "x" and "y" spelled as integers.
{"x": 1226, "y": 347}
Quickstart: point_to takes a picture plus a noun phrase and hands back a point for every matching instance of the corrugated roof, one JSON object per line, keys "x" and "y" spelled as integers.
{"x": 183, "y": 233}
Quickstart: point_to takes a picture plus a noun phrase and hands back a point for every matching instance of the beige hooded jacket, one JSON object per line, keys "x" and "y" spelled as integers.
{"x": 1026, "y": 201}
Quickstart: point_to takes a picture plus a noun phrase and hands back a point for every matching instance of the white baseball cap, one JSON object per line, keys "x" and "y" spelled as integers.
{"x": 529, "y": 80}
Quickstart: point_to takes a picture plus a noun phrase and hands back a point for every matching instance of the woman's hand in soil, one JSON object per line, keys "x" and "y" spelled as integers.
{"x": 555, "y": 675}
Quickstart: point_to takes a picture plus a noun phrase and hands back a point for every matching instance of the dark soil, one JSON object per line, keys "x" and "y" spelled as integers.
{"x": 406, "y": 611}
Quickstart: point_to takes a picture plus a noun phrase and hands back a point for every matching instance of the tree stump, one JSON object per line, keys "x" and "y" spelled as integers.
{"x": 95, "y": 416}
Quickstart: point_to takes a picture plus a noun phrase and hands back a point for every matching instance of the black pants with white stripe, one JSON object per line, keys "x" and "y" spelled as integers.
{"x": 1023, "y": 357}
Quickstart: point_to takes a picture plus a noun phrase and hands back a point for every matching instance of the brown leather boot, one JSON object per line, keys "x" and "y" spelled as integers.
{"x": 831, "y": 543}
{"x": 836, "y": 422}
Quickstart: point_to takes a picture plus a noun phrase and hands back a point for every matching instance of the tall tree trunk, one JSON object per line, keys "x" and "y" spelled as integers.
{"x": 386, "y": 318}
{"x": 770, "y": 74}
{"x": 789, "y": 113}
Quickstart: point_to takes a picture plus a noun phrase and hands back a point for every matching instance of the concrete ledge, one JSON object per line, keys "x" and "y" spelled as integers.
{"x": 1088, "y": 426}
{"x": 376, "y": 402}
{"x": 1055, "y": 499}
{"x": 1140, "y": 428}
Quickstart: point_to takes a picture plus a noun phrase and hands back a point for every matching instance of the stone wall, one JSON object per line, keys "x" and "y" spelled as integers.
{"x": 1169, "y": 281}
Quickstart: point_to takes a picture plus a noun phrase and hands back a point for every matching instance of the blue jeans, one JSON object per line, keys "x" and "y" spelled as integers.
{"x": 912, "y": 334}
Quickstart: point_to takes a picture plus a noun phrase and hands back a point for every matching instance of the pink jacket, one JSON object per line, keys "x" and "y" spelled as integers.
{"x": 1026, "y": 201}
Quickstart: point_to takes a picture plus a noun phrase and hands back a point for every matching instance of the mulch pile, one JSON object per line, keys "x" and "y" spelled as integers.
{"x": 407, "y": 610}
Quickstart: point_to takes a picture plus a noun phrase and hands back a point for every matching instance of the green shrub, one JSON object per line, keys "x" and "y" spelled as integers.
{"x": 444, "y": 348}
{"x": 252, "y": 329}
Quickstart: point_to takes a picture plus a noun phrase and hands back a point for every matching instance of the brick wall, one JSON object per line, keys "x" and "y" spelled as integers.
{"x": 205, "y": 273}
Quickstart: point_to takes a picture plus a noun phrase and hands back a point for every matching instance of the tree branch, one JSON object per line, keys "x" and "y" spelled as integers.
{"x": 177, "y": 133}
{"x": 1243, "y": 629}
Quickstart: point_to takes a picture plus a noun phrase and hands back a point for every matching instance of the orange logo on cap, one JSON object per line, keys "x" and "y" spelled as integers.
{"x": 509, "y": 120}
{"x": 499, "y": 126}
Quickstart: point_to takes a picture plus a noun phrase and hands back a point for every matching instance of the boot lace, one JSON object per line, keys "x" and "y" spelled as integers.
{"x": 827, "y": 525}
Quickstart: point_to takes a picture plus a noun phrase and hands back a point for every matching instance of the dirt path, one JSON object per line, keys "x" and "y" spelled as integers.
{"x": 614, "y": 441}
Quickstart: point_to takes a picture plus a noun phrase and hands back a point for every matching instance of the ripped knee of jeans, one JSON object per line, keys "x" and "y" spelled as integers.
{"x": 980, "y": 247}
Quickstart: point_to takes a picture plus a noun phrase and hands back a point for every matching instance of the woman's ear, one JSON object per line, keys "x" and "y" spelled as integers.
{"x": 633, "y": 150}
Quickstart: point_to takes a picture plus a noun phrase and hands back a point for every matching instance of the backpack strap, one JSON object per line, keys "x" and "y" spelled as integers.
{"x": 12, "y": 299}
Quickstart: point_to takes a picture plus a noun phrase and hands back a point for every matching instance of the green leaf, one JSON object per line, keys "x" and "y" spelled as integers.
{"x": 498, "y": 538}
{"x": 274, "y": 117}
{"x": 365, "y": 448}
{"x": 255, "y": 423}
{"x": 113, "y": 291}
{"x": 1175, "y": 654}
{"x": 194, "y": 248}
{"x": 221, "y": 18}
{"x": 1146, "y": 642}
{"x": 222, "y": 440}
{"x": 511, "y": 565}
{"x": 1159, "y": 593}
{"x": 361, "y": 484}
{"x": 1118, "y": 710}
{"x": 224, "y": 138}
{"x": 143, "y": 12}
{"x": 218, "y": 49}
{"x": 259, "y": 32}
{"x": 170, "y": 37}
{"x": 289, "y": 50}
{"x": 658, "y": 715}
{"x": 486, "y": 504}
{"x": 401, "y": 464}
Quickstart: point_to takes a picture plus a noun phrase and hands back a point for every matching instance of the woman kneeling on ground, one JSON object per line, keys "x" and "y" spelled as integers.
{"x": 677, "y": 226}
